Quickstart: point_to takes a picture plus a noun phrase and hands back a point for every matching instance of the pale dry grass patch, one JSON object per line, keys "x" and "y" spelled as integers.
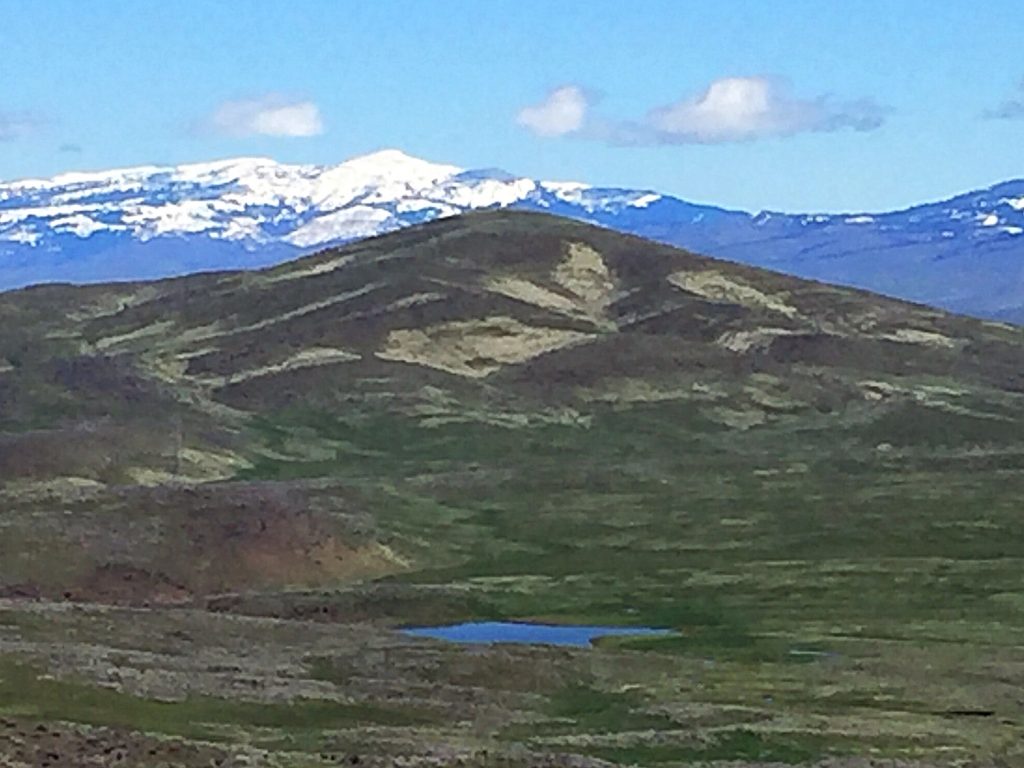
{"x": 476, "y": 348}
{"x": 717, "y": 287}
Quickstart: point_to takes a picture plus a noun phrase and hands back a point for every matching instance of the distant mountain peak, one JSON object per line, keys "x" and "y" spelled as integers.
{"x": 393, "y": 157}
{"x": 160, "y": 220}
{"x": 258, "y": 203}
{"x": 395, "y": 163}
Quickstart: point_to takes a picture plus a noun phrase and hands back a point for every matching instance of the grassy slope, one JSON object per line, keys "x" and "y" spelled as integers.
{"x": 827, "y": 516}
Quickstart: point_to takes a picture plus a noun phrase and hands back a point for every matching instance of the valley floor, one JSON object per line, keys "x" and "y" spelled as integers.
{"x": 96, "y": 686}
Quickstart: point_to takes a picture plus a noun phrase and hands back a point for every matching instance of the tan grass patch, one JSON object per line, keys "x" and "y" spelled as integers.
{"x": 717, "y": 287}
{"x": 917, "y": 336}
{"x": 476, "y": 348}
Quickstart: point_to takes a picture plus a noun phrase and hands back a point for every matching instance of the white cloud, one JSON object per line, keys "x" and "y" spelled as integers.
{"x": 745, "y": 108}
{"x": 17, "y": 125}
{"x": 1011, "y": 109}
{"x": 730, "y": 109}
{"x": 563, "y": 111}
{"x": 268, "y": 115}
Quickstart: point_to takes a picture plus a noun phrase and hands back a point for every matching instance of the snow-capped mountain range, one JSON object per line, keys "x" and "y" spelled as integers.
{"x": 965, "y": 254}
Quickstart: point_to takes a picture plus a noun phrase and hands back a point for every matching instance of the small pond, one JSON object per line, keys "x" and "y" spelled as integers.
{"x": 522, "y": 632}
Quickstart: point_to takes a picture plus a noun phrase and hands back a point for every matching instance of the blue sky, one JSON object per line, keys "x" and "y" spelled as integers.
{"x": 784, "y": 105}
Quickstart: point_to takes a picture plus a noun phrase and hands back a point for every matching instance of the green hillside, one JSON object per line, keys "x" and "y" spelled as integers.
{"x": 221, "y": 493}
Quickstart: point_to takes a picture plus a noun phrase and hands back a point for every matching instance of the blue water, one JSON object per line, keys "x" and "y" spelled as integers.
{"x": 535, "y": 634}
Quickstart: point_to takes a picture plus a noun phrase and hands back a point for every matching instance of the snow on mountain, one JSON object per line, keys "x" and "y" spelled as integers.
{"x": 153, "y": 221}
{"x": 255, "y": 201}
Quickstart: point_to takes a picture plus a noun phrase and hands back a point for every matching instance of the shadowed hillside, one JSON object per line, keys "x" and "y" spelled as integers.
{"x": 510, "y": 415}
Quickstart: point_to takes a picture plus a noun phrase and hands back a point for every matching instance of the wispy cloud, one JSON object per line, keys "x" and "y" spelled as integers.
{"x": 731, "y": 109}
{"x": 18, "y": 125}
{"x": 1011, "y": 109}
{"x": 70, "y": 148}
{"x": 563, "y": 111}
{"x": 267, "y": 115}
